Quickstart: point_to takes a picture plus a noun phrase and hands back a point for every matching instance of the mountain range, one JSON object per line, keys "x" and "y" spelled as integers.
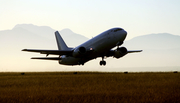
{"x": 159, "y": 50}
{"x": 158, "y": 41}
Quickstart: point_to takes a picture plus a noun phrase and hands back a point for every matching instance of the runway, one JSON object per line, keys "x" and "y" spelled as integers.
{"x": 89, "y": 87}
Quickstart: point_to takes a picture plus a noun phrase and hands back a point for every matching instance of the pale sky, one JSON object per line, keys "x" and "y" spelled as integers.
{"x": 89, "y": 18}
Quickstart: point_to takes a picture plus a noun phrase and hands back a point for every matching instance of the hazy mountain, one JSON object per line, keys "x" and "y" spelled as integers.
{"x": 155, "y": 41}
{"x": 33, "y": 37}
{"x": 28, "y": 35}
{"x": 159, "y": 50}
{"x": 43, "y": 31}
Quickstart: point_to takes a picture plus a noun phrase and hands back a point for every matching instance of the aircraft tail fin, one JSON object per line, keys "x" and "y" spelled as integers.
{"x": 60, "y": 42}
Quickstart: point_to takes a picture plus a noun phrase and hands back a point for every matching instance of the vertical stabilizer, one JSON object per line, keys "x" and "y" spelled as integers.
{"x": 60, "y": 42}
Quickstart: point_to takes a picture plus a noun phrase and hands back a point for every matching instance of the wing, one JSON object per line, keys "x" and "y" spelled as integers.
{"x": 47, "y": 58}
{"x": 133, "y": 51}
{"x": 54, "y": 52}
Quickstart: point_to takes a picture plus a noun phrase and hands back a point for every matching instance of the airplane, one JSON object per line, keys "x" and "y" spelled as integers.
{"x": 99, "y": 46}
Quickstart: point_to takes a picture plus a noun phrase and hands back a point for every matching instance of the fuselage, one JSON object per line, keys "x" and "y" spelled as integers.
{"x": 97, "y": 46}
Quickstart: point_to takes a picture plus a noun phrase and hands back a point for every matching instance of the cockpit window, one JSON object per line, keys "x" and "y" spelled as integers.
{"x": 117, "y": 29}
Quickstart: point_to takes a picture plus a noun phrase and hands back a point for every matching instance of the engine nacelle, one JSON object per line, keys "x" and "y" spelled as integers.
{"x": 79, "y": 52}
{"x": 120, "y": 52}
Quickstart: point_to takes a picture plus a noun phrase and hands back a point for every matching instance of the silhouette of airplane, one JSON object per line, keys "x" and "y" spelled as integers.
{"x": 99, "y": 46}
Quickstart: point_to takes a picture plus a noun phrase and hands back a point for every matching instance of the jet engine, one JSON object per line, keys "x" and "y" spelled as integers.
{"x": 78, "y": 52}
{"x": 120, "y": 52}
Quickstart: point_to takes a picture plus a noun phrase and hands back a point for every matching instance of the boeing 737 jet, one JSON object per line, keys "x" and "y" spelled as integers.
{"x": 99, "y": 46}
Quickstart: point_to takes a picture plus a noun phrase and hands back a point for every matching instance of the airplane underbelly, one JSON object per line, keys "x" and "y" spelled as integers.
{"x": 69, "y": 61}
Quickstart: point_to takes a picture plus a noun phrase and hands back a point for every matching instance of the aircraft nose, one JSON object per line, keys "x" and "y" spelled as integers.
{"x": 124, "y": 34}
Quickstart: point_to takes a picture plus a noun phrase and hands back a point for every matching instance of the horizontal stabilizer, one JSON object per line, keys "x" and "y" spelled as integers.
{"x": 54, "y": 52}
{"x": 47, "y": 58}
{"x": 133, "y": 51}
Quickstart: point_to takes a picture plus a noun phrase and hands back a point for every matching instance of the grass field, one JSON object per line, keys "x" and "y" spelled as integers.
{"x": 90, "y": 87}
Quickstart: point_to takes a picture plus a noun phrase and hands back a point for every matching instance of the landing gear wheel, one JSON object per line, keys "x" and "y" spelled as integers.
{"x": 102, "y": 63}
{"x": 82, "y": 63}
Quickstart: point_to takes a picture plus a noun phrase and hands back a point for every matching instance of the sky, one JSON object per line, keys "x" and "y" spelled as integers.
{"x": 89, "y": 18}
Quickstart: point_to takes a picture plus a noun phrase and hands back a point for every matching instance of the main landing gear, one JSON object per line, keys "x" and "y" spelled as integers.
{"x": 102, "y": 62}
{"x": 81, "y": 63}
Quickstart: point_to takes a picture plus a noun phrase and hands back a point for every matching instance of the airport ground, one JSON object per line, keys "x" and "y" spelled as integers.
{"x": 89, "y": 87}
